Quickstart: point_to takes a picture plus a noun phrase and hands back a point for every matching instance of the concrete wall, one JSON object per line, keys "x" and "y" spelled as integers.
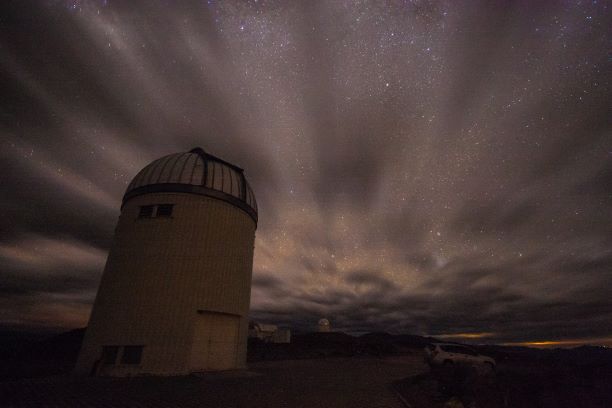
{"x": 169, "y": 281}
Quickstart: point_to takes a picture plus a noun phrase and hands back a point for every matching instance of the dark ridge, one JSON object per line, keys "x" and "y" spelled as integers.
{"x": 29, "y": 356}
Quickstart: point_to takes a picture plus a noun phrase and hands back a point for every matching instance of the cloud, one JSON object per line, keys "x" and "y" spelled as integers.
{"x": 46, "y": 254}
{"x": 48, "y": 282}
{"x": 428, "y": 167}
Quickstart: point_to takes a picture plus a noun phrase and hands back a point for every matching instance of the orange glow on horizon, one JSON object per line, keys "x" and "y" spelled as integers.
{"x": 464, "y": 335}
{"x": 568, "y": 343}
{"x": 562, "y": 343}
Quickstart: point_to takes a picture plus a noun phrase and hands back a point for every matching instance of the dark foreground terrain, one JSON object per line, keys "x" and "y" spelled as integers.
{"x": 333, "y": 382}
{"x": 317, "y": 370}
{"x": 514, "y": 384}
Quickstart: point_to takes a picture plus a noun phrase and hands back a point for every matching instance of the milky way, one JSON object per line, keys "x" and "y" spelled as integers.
{"x": 421, "y": 167}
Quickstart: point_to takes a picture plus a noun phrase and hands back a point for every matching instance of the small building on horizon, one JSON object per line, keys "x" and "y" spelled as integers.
{"x": 324, "y": 326}
{"x": 269, "y": 333}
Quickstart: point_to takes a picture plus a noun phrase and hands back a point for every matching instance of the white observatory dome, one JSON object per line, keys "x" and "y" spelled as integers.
{"x": 195, "y": 172}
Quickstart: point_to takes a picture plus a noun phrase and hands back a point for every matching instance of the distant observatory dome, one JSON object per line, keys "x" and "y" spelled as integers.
{"x": 324, "y": 325}
{"x": 175, "y": 292}
{"x": 195, "y": 172}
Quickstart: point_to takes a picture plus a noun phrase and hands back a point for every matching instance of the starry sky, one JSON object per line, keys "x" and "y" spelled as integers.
{"x": 426, "y": 167}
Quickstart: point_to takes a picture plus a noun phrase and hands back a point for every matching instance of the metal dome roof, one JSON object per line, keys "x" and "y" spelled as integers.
{"x": 195, "y": 172}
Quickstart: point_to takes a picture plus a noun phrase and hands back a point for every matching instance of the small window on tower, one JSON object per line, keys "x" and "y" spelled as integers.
{"x": 164, "y": 210}
{"x": 131, "y": 355}
{"x": 109, "y": 354}
{"x": 146, "y": 211}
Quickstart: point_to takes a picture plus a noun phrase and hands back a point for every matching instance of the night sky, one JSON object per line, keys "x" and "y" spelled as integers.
{"x": 425, "y": 167}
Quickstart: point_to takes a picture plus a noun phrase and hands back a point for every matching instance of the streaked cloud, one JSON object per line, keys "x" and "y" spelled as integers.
{"x": 431, "y": 167}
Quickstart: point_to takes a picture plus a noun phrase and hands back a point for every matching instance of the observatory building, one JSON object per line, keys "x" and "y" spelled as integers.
{"x": 175, "y": 292}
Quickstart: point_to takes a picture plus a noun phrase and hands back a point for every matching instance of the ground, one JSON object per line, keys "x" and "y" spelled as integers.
{"x": 316, "y": 370}
{"x": 331, "y": 382}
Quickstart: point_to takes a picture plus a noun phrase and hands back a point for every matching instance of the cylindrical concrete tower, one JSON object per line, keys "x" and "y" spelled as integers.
{"x": 174, "y": 296}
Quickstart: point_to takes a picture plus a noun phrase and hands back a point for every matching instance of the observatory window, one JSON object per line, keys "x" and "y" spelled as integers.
{"x": 146, "y": 211}
{"x": 164, "y": 210}
{"x": 131, "y": 355}
{"x": 154, "y": 211}
{"x": 109, "y": 354}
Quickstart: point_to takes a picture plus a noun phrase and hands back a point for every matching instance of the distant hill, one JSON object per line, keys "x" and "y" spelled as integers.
{"x": 336, "y": 344}
{"x": 28, "y": 355}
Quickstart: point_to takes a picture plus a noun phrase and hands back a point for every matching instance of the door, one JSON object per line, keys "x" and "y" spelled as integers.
{"x": 215, "y": 342}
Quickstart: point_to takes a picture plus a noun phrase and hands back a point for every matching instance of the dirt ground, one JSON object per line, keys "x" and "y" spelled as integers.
{"x": 514, "y": 384}
{"x": 317, "y": 370}
{"x": 331, "y": 382}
